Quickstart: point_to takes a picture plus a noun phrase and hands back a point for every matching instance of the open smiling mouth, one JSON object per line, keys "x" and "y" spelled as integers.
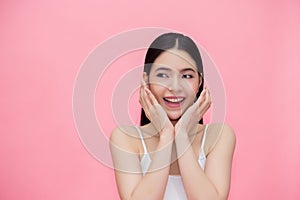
{"x": 173, "y": 102}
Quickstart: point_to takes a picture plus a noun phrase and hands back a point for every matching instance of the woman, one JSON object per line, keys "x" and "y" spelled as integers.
{"x": 173, "y": 155}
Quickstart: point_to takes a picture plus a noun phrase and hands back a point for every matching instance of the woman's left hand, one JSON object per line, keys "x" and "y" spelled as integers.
{"x": 194, "y": 113}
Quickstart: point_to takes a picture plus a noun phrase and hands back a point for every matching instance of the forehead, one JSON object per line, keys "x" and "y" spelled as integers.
{"x": 175, "y": 59}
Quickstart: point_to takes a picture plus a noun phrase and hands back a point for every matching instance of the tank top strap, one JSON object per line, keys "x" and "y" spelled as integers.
{"x": 203, "y": 138}
{"x": 142, "y": 139}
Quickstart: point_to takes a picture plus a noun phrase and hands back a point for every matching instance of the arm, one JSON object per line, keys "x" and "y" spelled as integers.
{"x": 130, "y": 181}
{"x": 214, "y": 182}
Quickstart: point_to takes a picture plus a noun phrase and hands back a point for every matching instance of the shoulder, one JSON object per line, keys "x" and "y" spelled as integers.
{"x": 221, "y": 134}
{"x": 222, "y": 129}
{"x": 124, "y": 137}
{"x": 124, "y": 144}
{"x": 122, "y": 132}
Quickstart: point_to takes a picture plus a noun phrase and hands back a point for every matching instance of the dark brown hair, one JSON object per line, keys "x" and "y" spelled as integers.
{"x": 168, "y": 41}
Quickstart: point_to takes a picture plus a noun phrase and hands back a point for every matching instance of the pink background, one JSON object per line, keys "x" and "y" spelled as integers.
{"x": 254, "y": 43}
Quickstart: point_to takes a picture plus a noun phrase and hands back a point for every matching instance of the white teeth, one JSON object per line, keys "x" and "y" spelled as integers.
{"x": 174, "y": 100}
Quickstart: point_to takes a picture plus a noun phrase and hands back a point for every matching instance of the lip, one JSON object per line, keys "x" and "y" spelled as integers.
{"x": 173, "y": 104}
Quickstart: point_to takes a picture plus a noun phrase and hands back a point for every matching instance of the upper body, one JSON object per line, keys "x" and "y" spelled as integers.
{"x": 217, "y": 148}
{"x": 171, "y": 138}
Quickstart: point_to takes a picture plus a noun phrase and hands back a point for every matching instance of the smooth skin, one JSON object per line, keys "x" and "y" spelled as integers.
{"x": 173, "y": 139}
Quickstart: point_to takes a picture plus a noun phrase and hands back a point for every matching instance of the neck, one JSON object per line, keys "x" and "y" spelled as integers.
{"x": 191, "y": 133}
{"x": 174, "y": 122}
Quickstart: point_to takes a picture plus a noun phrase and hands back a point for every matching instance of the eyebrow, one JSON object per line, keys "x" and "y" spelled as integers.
{"x": 168, "y": 69}
{"x": 162, "y": 68}
{"x": 188, "y": 69}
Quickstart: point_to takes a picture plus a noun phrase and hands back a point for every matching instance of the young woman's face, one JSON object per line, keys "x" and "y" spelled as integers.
{"x": 174, "y": 81}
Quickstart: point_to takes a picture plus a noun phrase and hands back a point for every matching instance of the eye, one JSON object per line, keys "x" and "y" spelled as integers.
{"x": 188, "y": 76}
{"x": 162, "y": 75}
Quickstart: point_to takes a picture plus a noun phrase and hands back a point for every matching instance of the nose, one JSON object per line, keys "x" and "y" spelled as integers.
{"x": 175, "y": 84}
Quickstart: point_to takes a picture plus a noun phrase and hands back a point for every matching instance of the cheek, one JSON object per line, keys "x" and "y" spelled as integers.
{"x": 193, "y": 92}
{"x": 156, "y": 90}
{"x": 192, "y": 87}
{"x": 196, "y": 89}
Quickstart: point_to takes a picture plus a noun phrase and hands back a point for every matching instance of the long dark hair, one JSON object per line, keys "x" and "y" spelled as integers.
{"x": 168, "y": 41}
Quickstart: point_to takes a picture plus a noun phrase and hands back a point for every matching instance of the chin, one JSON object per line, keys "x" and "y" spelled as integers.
{"x": 175, "y": 115}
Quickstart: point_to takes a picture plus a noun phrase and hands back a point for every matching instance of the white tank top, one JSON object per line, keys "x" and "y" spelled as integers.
{"x": 175, "y": 189}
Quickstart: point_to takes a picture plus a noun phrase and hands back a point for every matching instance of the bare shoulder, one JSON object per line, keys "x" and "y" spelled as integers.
{"x": 124, "y": 148}
{"x": 124, "y": 137}
{"x": 221, "y": 134}
{"x": 222, "y": 128}
{"x": 122, "y": 132}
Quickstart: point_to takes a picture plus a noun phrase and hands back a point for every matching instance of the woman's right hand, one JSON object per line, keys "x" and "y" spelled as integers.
{"x": 153, "y": 110}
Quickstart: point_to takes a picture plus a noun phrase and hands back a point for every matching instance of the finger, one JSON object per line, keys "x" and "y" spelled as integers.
{"x": 140, "y": 92}
{"x": 201, "y": 98}
{"x": 204, "y": 110}
{"x": 143, "y": 83}
{"x": 207, "y": 97}
{"x": 206, "y": 105}
{"x": 143, "y": 99}
{"x": 149, "y": 99}
{"x": 145, "y": 79}
{"x": 146, "y": 99}
{"x": 147, "y": 90}
{"x": 147, "y": 112}
{"x": 141, "y": 88}
{"x": 147, "y": 95}
{"x": 146, "y": 105}
{"x": 152, "y": 98}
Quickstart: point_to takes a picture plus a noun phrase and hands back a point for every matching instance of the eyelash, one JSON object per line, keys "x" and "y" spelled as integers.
{"x": 163, "y": 75}
{"x": 190, "y": 76}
